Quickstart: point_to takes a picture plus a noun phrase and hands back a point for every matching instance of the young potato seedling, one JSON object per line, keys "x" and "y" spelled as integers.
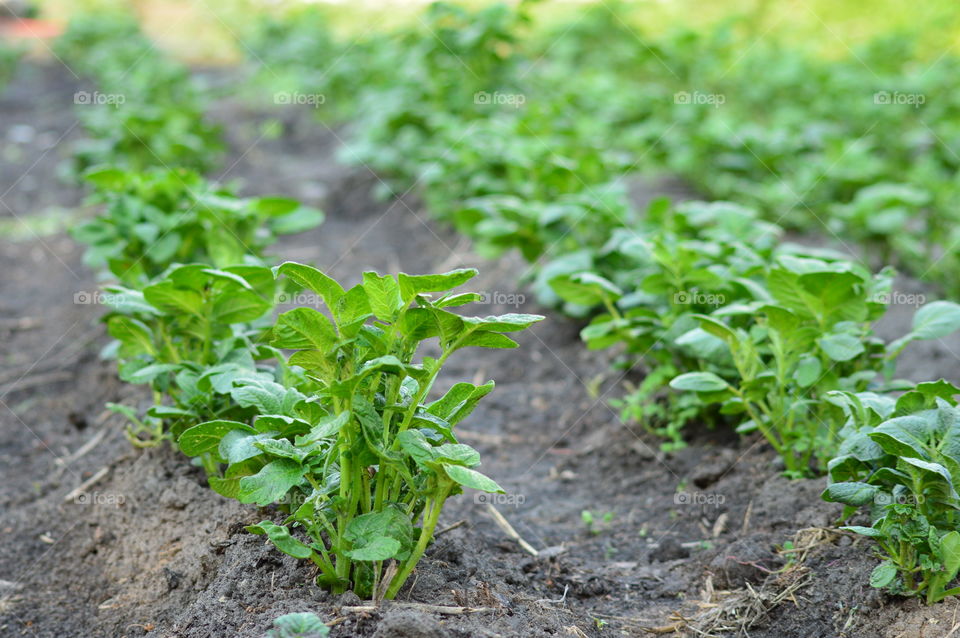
{"x": 902, "y": 460}
{"x": 364, "y": 463}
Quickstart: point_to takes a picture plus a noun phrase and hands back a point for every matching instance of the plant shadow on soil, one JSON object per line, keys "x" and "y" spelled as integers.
{"x": 149, "y": 550}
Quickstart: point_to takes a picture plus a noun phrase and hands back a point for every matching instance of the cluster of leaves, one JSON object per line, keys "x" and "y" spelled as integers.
{"x": 194, "y": 294}
{"x": 652, "y": 282}
{"x": 865, "y": 145}
{"x": 781, "y": 355}
{"x": 146, "y": 110}
{"x": 298, "y": 52}
{"x": 159, "y": 217}
{"x": 355, "y": 453}
{"x": 901, "y": 459}
{"x": 194, "y": 335}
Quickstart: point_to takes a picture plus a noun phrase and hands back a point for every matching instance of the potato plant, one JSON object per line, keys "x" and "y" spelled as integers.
{"x": 364, "y": 463}
{"x": 901, "y": 461}
{"x": 813, "y": 336}
{"x": 194, "y": 336}
{"x": 655, "y": 280}
{"x": 159, "y": 217}
{"x": 144, "y": 109}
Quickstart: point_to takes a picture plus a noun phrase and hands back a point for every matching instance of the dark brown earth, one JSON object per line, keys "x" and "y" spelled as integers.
{"x": 147, "y": 549}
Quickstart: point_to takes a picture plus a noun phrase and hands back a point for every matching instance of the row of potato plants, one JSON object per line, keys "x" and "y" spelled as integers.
{"x": 733, "y": 324}
{"x": 343, "y": 435}
{"x": 146, "y": 111}
{"x": 861, "y": 149}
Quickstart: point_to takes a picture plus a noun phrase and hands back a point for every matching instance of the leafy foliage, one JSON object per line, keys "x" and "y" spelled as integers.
{"x": 901, "y": 460}
{"x": 193, "y": 335}
{"x": 361, "y": 455}
{"x": 161, "y": 217}
{"x": 145, "y": 110}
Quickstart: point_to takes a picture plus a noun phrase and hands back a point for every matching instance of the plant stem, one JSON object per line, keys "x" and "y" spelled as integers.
{"x": 431, "y": 515}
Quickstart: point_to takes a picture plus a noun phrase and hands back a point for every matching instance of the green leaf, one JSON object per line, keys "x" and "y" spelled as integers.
{"x": 166, "y": 296}
{"x": 457, "y": 454}
{"x": 510, "y": 322}
{"x": 147, "y": 374}
{"x": 237, "y": 446}
{"x": 416, "y": 445}
{"x": 950, "y": 554}
{"x": 206, "y": 437}
{"x": 282, "y": 448}
{"x": 380, "y": 536}
{"x": 883, "y": 574}
{"x": 699, "y": 382}
{"x": 850, "y": 493}
{"x": 487, "y": 340}
{"x": 326, "y": 428}
{"x": 940, "y": 388}
{"x": 383, "y": 294}
{"x": 236, "y": 306}
{"x": 297, "y": 221}
{"x": 133, "y": 334}
{"x": 376, "y": 549}
{"x": 903, "y": 436}
{"x": 298, "y": 625}
{"x": 280, "y": 536}
{"x": 841, "y": 347}
{"x": 471, "y": 478}
{"x": 936, "y": 319}
{"x": 413, "y": 285}
{"x": 271, "y": 483}
{"x": 309, "y": 277}
{"x": 304, "y": 328}
{"x": 108, "y": 179}
{"x": 808, "y": 370}
{"x": 459, "y": 401}
{"x": 585, "y": 289}
{"x": 280, "y": 423}
{"x": 934, "y": 468}
{"x": 268, "y": 397}
{"x": 863, "y": 531}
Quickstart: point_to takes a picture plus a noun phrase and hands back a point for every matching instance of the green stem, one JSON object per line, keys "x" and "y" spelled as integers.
{"x": 431, "y": 516}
